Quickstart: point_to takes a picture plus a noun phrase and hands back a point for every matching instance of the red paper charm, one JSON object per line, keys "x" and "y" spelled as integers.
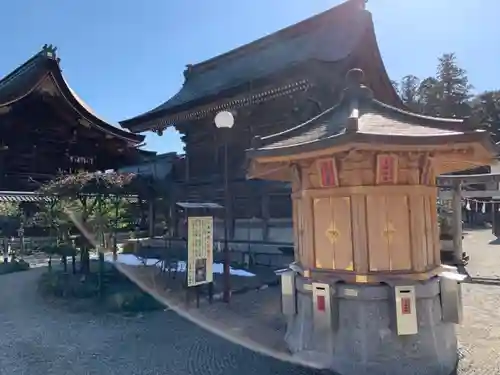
{"x": 387, "y": 166}
{"x": 328, "y": 173}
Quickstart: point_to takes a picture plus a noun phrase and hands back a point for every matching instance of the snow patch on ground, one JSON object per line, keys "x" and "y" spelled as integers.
{"x": 132, "y": 260}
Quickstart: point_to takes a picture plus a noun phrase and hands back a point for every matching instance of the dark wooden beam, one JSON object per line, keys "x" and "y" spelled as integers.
{"x": 471, "y": 179}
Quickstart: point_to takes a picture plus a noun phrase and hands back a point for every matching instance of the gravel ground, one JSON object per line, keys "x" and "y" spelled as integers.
{"x": 39, "y": 339}
{"x": 479, "y": 333}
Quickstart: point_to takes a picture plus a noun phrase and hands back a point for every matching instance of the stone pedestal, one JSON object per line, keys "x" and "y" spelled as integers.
{"x": 363, "y": 338}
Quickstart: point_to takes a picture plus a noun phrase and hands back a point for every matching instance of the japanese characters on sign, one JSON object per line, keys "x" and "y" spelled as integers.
{"x": 200, "y": 250}
{"x": 387, "y": 166}
{"x": 328, "y": 172}
{"x": 405, "y": 306}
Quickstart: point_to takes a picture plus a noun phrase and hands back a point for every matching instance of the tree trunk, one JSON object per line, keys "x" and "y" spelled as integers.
{"x": 5, "y": 251}
{"x": 100, "y": 244}
{"x": 82, "y": 250}
{"x": 85, "y": 260}
{"x": 101, "y": 274}
{"x": 65, "y": 263}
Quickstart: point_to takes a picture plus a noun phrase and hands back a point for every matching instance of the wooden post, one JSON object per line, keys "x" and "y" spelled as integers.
{"x": 210, "y": 292}
{"x": 457, "y": 221}
{"x": 5, "y": 250}
{"x": 495, "y": 219}
{"x": 265, "y": 215}
{"x": 151, "y": 217}
{"x": 21, "y": 240}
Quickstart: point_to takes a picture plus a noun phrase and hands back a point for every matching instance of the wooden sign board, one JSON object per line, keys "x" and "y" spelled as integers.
{"x": 387, "y": 169}
{"x": 200, "y": 250}
{"x": 327, "y": 169}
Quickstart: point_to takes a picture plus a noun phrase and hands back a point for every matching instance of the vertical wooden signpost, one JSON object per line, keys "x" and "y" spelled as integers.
{"x": 200, "y": 252}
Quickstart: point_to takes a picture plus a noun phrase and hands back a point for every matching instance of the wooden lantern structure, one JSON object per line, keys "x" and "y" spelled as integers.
{"x": 364, "y": 189}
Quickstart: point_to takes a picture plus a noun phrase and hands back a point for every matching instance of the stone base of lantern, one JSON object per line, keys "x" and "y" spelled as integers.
{"x": 363, "y": 338}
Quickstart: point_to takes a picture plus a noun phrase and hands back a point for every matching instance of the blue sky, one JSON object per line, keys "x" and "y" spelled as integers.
{"x": 124, "y": 57}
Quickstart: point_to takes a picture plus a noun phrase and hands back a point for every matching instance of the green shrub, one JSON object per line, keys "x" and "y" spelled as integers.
{"x": 128, "y": 248}
{"x": 66, "y": 250}
{"x": 119, "y": 293}
{"x": 14, "y": 266}
{"x": 131, "y": 301}
{"x": 61, "y": 284}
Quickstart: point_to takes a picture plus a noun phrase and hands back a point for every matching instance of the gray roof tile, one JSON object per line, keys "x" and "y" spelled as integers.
{"x": 330, "y": 36}
{"x": 26, "y": 77}
{"x": 372, "y": 120}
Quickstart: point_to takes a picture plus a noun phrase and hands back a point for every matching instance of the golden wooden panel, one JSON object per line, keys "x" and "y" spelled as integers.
{"x": 342, "y": 247}
{"x": 428, "y": 233}
{"x": 399, "y": 238}
{"x": 379, "y": 255}
{"x": 432, "y": 231}
{"x": 307, "y": 222}
{"x": 297, "y": 235}
{"x": 435, "y": 229}
{"x": 389, "y": 232}
{"x": 332, "y": 233}
{"x": 323, "y": 247}
{"x": 418, "y": 233}
{"x": 359, "y": 233}
{"x": 361, "y": 278}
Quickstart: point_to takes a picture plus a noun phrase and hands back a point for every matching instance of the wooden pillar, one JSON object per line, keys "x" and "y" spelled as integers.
{"x": 173, "y": 217}
{"x": 186, "y": 169}
{"x": 21, "y": 240}
{"x": 265, "y": 215}
{"x": 457, "y": 221}
{"x": 151, "y": 217}
{"x": 495, "y": 219}
{"x": 5, "y": 250}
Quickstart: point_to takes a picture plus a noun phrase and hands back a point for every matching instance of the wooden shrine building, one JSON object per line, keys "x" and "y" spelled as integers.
{"x": 364, "y": 193}
{"x": 270, "y": 84}
{"x": 45, "y": 128}
{"x": 363, "y": 179}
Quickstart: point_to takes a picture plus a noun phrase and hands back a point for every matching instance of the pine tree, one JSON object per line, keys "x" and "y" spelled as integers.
{"x": 409, "y": 92}
{"x": 486, "y": 112}
{"x": 429, "y": 97}
{"x": 453, "y": 88}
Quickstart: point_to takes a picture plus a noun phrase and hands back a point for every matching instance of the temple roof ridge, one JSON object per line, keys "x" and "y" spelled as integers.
{"x": 358, "y": 117}
{"x": 35, "y": 71}
{"x": 239, "y": 76}
{"x": 287, "y": 32}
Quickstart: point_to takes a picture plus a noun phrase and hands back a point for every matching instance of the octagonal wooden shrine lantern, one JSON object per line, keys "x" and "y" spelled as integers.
{"x": 363, "y": 184}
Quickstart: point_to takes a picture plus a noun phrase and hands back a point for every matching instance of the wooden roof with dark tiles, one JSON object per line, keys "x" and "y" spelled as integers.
{"x": 329, "y": 37}
{"x": 360, "y": 118}
{"x": 42, "y": 71}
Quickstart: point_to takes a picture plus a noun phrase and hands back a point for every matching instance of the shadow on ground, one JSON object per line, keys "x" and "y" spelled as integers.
{"x": 496, "y": 241}
{"x": 495, "y": 281}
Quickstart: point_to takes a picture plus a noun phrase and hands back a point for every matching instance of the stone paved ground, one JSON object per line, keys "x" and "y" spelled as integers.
{"x": 38, "y": 339}
{"x": 479, "y": 333}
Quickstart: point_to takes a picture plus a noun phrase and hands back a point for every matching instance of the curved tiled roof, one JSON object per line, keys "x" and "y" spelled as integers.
{"x": 33, "y": 74}
{"x": 361, "y": 118}
{"x": 331, "y": 36}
